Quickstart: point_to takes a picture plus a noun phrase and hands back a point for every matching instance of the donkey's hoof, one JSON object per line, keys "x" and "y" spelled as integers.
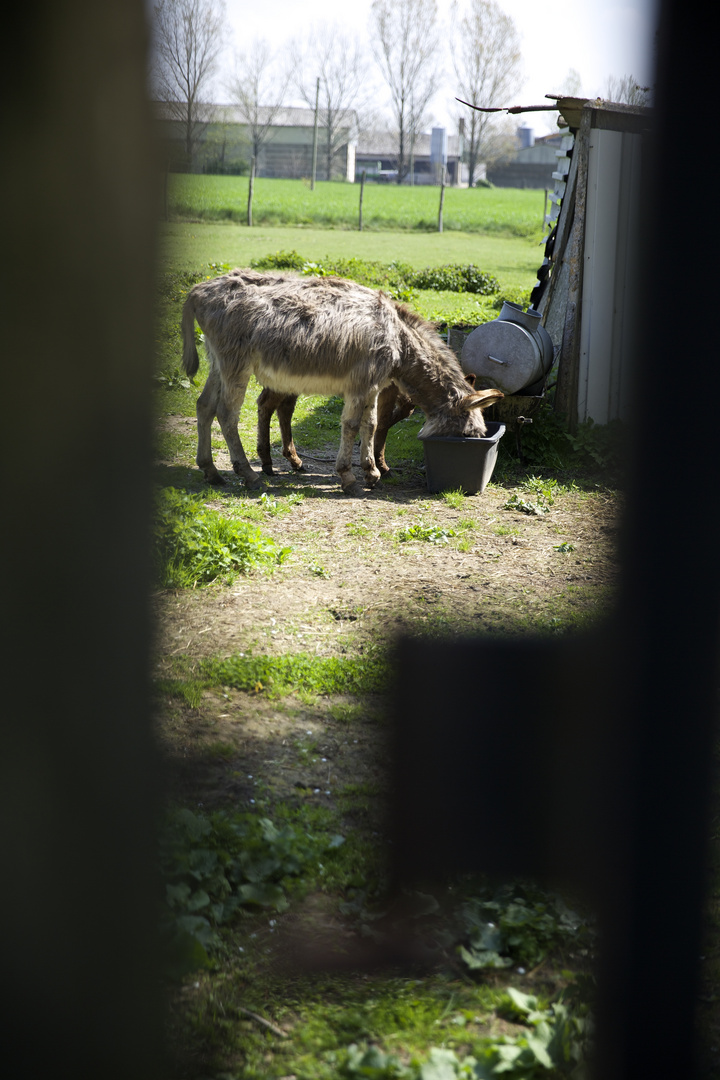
{"x": 215, "y": 479}
{"x": 268, "y": 470}
{"x": 255, "y": 485}
{"x": 353, "y": 490}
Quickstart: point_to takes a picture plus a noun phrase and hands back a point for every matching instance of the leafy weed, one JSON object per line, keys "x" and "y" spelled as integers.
{"x": 214, "y": 865}
{"x": 432, "y": 534}
{"x": 195, "y": 545}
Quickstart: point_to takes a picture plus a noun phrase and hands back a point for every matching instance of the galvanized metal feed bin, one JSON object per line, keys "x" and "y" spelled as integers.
{"x": 511, "y": 353}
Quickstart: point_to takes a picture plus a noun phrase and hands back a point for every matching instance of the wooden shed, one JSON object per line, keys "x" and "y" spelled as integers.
{"x": 586, "y": 290}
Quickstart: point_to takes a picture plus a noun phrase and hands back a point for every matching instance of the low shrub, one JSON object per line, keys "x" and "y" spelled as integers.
{"x": 397, "y": 278}
{"x": 455, "y": 278}
{"x": 280, "y": 260}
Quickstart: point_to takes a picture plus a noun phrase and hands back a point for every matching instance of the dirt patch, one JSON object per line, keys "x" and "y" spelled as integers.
{"x": 350, "y": 583}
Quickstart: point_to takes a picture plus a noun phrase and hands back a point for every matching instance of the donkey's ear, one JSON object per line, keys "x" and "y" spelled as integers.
{"x": 470, "y": 378}
{"x": 482, "y": 399}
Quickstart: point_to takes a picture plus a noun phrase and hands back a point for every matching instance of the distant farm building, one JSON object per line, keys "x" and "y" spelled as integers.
{"x": 531, "y": 165}
{"x": 224, "y": 143}
{"x": 377, "y": 155}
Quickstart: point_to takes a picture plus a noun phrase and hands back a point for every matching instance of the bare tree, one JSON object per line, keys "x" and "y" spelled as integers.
{"x": 488, "y": 67}
{"x": 572, "y": 84}
{"x": 625, "y": 90}
{"x": 405, "y": 45}
{"x": 339, "y": 63}
{"x": 189, "y": 36}
{"x": 258, "y": 89}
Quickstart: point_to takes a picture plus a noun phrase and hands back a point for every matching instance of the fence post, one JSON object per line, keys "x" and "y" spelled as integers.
{"x": 362, "y": 192}
{"x": 442, "y": 200}
{"x": 315, "y": 136}
{"x": 251, "y": 188}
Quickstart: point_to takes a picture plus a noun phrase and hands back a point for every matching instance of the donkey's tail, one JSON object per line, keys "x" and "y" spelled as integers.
{"x": 190, "y": 358}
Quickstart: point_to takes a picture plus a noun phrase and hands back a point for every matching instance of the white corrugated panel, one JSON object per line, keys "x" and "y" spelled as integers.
{"x": 611, "y": 261}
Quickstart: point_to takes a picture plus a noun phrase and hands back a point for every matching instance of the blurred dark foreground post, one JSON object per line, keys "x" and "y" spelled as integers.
{"x": 588, "y": 760}
{"x": 77, "y": 783}
{"x": 635, "y": 705}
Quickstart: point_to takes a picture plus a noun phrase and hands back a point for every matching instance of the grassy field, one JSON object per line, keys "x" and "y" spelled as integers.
{"x": 498, "y": 230}
{"x": 187, "y": 246}
{"x": 332, "y": 205}
{"x": 200, "y": 247}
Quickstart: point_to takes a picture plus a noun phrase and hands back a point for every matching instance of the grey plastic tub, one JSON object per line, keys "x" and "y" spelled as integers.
{"x": 467, "y": 464}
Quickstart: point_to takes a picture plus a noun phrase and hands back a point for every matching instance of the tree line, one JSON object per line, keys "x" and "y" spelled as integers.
{"x": 329, "y": 71}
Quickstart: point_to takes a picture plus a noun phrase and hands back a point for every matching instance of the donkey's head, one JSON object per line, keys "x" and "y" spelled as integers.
{"x": 462, "y": 418}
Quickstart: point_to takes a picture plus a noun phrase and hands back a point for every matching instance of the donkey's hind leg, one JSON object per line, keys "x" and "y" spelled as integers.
{"x": 206, "y": 409}
{"x": 392, "y": 408}
{"x": 271, "y": 401}
{"x": 267, "y": 403}
{"x": 285, "y": 411}
{"x": 228, "y": 410}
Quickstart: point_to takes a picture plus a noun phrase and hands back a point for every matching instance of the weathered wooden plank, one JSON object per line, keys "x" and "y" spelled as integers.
{"x": 562, "y": 211}
{"x": 566, "y": 390}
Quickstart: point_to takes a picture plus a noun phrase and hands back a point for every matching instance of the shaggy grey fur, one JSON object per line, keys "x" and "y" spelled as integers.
{"x": 320, "y": 336}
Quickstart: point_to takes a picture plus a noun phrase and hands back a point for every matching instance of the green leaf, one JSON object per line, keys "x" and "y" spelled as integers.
{"x": 198, "y": 900}
{"x": 539, "y": 1046}
{"x": 508, "y": 1054}
{"x": 487, "y": 938}
{"x": 264, "y": 895}
{"x": 177, "y": 895}
{"x": 524, "y": 1003}
{"x": 202, "y": 863}
{"x": 442, "y": 1065}
{"x": 479, "y": 959}
{"x": 422, "y": 904}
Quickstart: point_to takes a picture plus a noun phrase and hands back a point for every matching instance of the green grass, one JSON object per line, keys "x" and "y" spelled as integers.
{"x": 454, "y": 499}
{"x": 186, "y": 246}
{"x": 277, "y": 676}
{"x": 333, "y": 205}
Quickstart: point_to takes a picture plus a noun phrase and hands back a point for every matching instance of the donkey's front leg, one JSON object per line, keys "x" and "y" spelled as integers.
{"x": 349, "y": 428}
{"x": 228, "y": 411}
{"x": 368, "y": 426}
